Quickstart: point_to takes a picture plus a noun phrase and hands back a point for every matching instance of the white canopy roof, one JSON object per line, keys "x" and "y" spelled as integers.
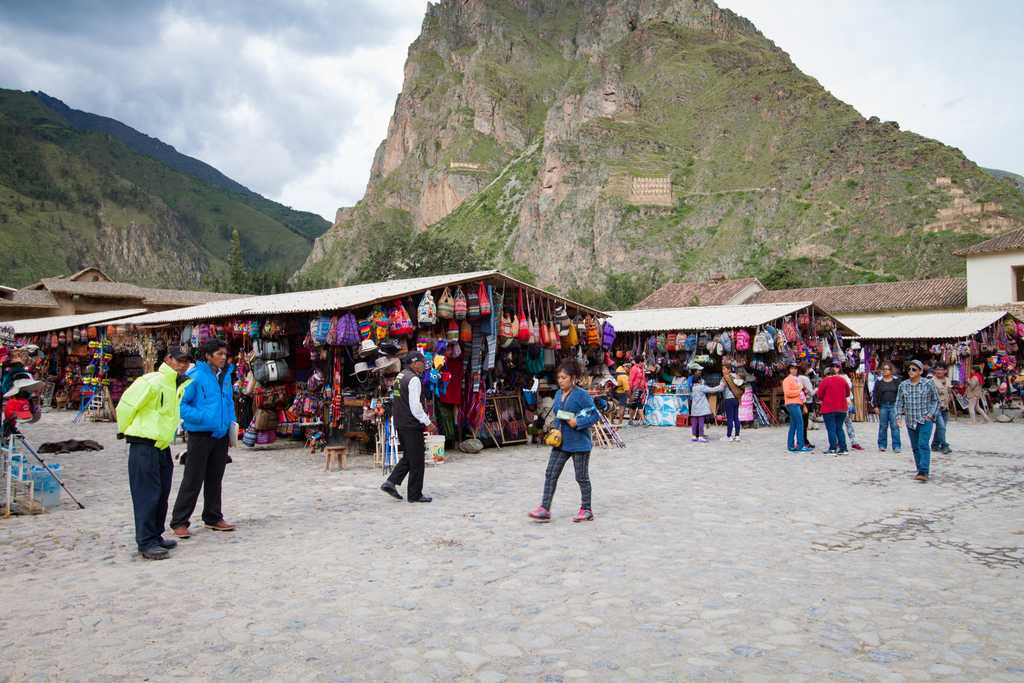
{"x": 949, "y": 325}
{"x": 63, "y": 322}
{"x": 695, "y": 318}
{"x": 336, "y": 299}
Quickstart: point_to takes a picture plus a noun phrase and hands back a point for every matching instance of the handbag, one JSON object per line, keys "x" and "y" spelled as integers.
{"x": 485, "y": 301}
{"x": 473, "y": 303}
{"x": 460, "y": 306}
{"x": 553, "y": 438}
{"x": 264, "y": 419}
{"x": 426, "y": 312}
{"x": 523, "y": 334}
{"x": 267, "y": 371}
{"x": 445, "y": 305}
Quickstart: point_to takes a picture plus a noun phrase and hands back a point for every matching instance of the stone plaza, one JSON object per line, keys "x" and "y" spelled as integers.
{"x": 720, "y": 561}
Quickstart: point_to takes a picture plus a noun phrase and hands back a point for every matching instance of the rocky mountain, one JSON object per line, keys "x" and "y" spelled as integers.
{"x": 78, "y": 189}
{"x": 1014, "y": 179}
{"x": 573, "y": 141}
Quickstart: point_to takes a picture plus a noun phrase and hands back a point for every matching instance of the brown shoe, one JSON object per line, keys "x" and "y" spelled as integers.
{"x": 921, "y": 478}
{"x": 221, "y": 526}
{"x": 181, "y": 532}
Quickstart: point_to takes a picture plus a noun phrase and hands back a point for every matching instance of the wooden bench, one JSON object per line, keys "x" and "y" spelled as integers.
{"x": 337, "y": 455}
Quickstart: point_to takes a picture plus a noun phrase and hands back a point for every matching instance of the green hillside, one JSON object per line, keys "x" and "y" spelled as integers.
{"x": 71, "y": 197}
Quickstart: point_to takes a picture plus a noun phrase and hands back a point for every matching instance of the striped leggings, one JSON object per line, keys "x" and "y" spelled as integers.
{"x": 556, "y": 462}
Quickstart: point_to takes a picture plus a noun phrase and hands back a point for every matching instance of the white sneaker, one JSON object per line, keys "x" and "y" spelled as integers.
{"x": 735, "y": 438}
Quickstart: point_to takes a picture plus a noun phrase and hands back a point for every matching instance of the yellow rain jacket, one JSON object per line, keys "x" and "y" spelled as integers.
{"x": 149, "y": 407}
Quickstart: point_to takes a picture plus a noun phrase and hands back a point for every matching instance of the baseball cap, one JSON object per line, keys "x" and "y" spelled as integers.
{"x": 917, "y": 364}
{"x": 413, "y": 356}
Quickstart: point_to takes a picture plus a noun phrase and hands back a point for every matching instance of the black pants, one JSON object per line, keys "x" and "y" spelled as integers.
{"x": 413, "y": 451}
{"x": 732, "y": 416}
{"x": 204, "y": 469}
{"x": 556, "y": 462}
{"x": 149, "y": 478}
{"x": 807, "y": 420}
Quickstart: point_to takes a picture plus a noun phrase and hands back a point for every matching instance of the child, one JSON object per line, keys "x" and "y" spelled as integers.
{"x": 700, "y": 409}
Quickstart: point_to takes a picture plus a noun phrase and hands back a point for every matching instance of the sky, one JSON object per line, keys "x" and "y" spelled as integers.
{"x": 292, "y": 98}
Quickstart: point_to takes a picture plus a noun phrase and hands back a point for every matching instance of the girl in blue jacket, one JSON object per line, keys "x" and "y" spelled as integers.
{"x": 576, "y": 443}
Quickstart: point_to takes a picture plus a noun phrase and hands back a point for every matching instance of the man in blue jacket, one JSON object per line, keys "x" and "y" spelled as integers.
{"x": 208, "y": 412}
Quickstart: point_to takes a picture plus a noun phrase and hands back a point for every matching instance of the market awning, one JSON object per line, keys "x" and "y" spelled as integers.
{"x": 63, "y": 322}
{"x": 336, "y": 299}
{"x": 697, "y": 318}
{"x": 924, "y": 326}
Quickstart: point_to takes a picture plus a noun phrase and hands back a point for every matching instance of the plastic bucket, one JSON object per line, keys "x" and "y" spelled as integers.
{"x": 46, "y": 490}
{"x": 434, "y": 448}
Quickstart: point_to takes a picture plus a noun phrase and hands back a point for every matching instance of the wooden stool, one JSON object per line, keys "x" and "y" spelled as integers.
{"x": 338, "y": 455}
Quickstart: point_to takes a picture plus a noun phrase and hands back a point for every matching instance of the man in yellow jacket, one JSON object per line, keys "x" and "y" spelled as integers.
{"x": 147, "y": 418}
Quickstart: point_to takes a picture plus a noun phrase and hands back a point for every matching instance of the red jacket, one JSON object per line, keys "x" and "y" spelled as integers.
{"x": 832, "y": 393}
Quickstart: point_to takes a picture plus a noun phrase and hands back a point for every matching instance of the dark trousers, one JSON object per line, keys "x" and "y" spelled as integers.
{"x": 204, "y": 469}
{"x": 806, "y": 415}
{"x": 732, "y": 416}
{"x": 149, "y": 478}
{"x": 834, "y": 423}
{"x": 413, "y": 451}
{"x": 556, "y": 462}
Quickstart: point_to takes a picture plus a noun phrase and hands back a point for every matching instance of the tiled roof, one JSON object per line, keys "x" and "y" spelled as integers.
{"x": 710, "y": 293}
{"x": 126, "y": 290}
{"x": 30, "y": 298}
{"x": 879, "y": 296}
{"x": 1010, "y": 241}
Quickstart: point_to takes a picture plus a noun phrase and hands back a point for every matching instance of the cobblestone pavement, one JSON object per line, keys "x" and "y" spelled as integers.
{"x": 719, "y": 561}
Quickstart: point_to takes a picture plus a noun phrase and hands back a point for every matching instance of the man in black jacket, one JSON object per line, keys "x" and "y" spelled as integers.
{"x": 410, "y": 423}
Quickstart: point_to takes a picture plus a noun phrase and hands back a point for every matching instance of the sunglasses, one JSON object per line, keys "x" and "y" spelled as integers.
{"x": 913, "y": 368}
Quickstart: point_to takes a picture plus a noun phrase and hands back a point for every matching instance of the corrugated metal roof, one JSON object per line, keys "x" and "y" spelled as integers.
{"x": 336, "y": 299}
{"x": 695, "y": 318}
{"x": 924, "y": 326}
{"x": 876, "y": 296}
{"x": 63, "y": 322}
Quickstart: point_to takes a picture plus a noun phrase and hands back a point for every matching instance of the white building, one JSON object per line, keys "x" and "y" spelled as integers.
{"x": 995, "y": 270}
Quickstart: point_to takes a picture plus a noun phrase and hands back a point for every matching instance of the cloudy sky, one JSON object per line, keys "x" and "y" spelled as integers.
{"x": 292, "y": 98}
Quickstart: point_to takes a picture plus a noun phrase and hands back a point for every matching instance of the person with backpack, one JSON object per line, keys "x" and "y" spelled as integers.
{"x": 917, "y": 401}
{"x": 208, "y": 412}
{"x": 148, "y": 418}
{"x": 733, "y": 393}
{"x": 833, "y": 393}
{"x": 575, "y": 413}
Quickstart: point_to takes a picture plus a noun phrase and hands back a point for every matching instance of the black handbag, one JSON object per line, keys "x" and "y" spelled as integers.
{"x": 268, "y": 371}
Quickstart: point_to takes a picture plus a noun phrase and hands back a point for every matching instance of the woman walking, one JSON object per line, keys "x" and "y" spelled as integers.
{"x": 884, "y": 400}
{"x": 700, "y": 408}
{"x": 575, "y": 414}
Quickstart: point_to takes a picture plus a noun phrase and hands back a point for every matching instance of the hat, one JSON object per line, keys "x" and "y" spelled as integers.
{"x": 32, "y": 386}
{"x": 361, "y": 367}
{"x": 390, "y": 347}
{"x": 412, "y": 357}
{"x": 387, "y": 365}
{"x": 917, "y": 364}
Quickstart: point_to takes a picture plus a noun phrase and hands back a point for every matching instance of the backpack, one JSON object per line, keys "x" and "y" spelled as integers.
{"x": 608, "y": 335}
{"x": 473, "y": 303}
{"x": 266, "y": 371}
{"x": 762, "y": 342}
{"x": 426, "y": 312}
{"x": 691, "y": 343}
{"x": 319, "y": 329}
{"x": 742, "y": 340}
{"x": 726, "y": 342}
{"x": 460, "y": 306}
{"x": 445, "y": 305}
{"x": 348, "y": 331}
{"x": 789, "y": 329}
{"x": 400, "y": 324}
{"x": 593, "y": 336}
{"x": 485, "y": 301}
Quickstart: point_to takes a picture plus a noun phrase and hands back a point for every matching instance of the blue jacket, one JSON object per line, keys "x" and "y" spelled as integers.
{"x": 582, "y": 405}
{"x": 699, "y": 405}
{"x": 208, "y": 404}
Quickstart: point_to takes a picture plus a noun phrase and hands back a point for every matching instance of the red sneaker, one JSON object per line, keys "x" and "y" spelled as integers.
{"x": 540, "y": 514}
{"x": 584, "y": 516}
{"x": 857, "y": 447}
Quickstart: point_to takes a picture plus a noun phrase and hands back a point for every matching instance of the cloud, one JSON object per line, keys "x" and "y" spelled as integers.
{"x": 290, "y": 99}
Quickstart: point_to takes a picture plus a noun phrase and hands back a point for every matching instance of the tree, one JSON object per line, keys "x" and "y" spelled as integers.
{"x": 418, "y": 255}
{"x": 238, "y": 277}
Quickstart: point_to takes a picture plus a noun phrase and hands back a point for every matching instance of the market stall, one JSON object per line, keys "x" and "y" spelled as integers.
{"x": 78, "y": 358}
{"x": 319, "y": 365}
{"x": 760, "y": 340}
{"x": 984, "y": 343}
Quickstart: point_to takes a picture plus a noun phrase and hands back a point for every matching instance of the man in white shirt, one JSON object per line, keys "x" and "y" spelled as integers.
{"x": 410, "y": 423}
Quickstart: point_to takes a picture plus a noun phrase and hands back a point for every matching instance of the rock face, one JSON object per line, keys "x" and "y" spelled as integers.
{"x": 576, "y": 138}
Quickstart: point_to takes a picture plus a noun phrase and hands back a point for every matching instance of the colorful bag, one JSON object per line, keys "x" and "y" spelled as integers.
{"x": 670, "y": 342}
{"x": 473, "y": 304}
{"x": 524, "y": 326}
{"x": 380, "y": 323}
{"x": 742, "y": 340}
{"x": 320, "y": 330}
{"x": 608, "y": 335}
{"x": 789, "y": 330}
{"x": 505, "y": 329}
{"x": 726, "y": 342}
{"x": 365, "y": 328}
{"x": 466, "y": 332}
{"x": 572, "y": 338}
{"x": 348, "y": 331}
{"x": 400, "y": 324}
{"x": 426, "y": 312}
{"x": 460, "y": 307}
{"x": 445, "y": 305}
{"x": 485, "y": 301}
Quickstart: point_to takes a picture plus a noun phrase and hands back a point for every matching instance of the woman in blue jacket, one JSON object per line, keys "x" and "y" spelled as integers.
{"x": 576, "y": 443}
{"x": 208, "y": 412}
